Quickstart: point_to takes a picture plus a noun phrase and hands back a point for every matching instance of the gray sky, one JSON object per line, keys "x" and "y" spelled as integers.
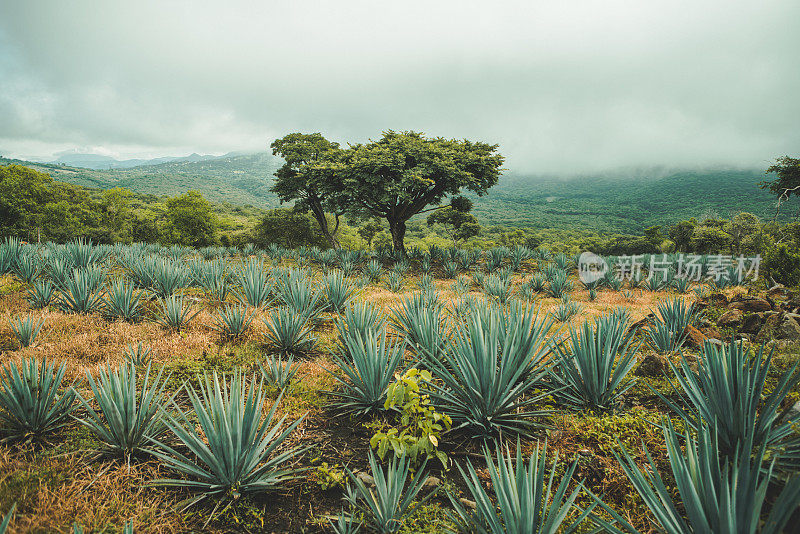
{"x": 563, "y": 86}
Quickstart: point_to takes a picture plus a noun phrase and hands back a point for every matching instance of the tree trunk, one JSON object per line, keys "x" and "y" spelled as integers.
{"x": 322, "y": 221}
{"x": 398, "y": 230}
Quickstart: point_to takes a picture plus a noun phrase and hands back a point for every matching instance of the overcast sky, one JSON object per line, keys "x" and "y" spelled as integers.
{"x": 562, "y": 86}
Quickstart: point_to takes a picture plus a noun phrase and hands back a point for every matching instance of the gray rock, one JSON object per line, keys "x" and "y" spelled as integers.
{"x": 788, "y": 329}
{"x": 468, "y": 504}
{"x": 431, "y": 484}
{"x": 366, "y": 479}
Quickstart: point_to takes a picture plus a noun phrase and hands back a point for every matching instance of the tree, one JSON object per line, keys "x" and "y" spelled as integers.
{"x": 681, "y": 234}
{"x": 456, "y": 220}
{"x": 741, "y": 228}
{"x": 23, "y": 192}
{"x": 286, "y": 228}
{"x": 305, "y": 179}
{"x": 368, "y": 230}
{"x": 404, "y": 173}
{"x": 654, "y": 237}
{"x": 190, "y": 220}
{"x": 788, "y": 181}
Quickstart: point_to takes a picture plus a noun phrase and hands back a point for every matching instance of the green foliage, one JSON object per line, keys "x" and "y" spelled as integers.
{"x": 122, "y": 301}
{"x": 330, "y": 476}
{"x": 233, "y": 451}
{"x": 421, "y": 427}
{"x": 26, "y": 329}
{"x": 716, "y": 495}
{"x": 278, "y": 373}
{"x": 289, "y": 332}
{"x": 190, "y": 220}
{"x": 286, "y": 228}
{"x": 131, "y": 414}
{"x": 491, "y": 370}
{"x": 593, "y": 364}
{"x": 339, "y": 290}
{"x": 666, "y": 329}
{"x": 175, "y": 313}
{"x": 393, "y": 498}
{"x": 233, "y": 321}
{"x": 40, "y": 294}
{"x": 783, "y": 265}
{"x": 525, "y": 500}
{"x": 139, "y": 355}
{"x": 727, "y": 392}
{"x": 31, "y": 403}
{"x": 79, "y": 293}
{"x": 254, "y": 283}
{"x": 421, "y": 324}
{"x": 7, "y": 519}
{"x": 368, "y": 363}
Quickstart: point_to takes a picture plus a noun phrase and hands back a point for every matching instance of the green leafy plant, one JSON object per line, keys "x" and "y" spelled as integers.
{"x": 31, "y": 401}
{"x": 338, "y": 290}
{"x": 394, "y": 497}
{"x": 330, "y": 476}
{"x": 40, "y": 294}
{"x": 122, "y": 301}
{"x": 421, "y": 427}
{"x": 368, "y": 363}
{"x": 289, "y": 331}
{"x": 232, "y": 321}
{"x": 715, "y": 495}
{"x": 524, "y": 497}
{"x": 175, "y": 314}
{"x": 232, "y": 450}
{"x": 129, "y": 416}
{"x": 489, "y": 374}
{"x": 255, "y": 285}
{"x": 593, "y": 363}
{"x": 278, "y": 373}
{"x": 421, "y": 324}
{"x": 26, "y": 329}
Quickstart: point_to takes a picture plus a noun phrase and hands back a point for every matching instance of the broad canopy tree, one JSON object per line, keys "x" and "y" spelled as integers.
{"x": 395, "y": 178}
{"x": 307, "y": 178}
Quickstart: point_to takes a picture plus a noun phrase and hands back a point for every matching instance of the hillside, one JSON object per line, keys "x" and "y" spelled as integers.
{"x": 624, "y": 201}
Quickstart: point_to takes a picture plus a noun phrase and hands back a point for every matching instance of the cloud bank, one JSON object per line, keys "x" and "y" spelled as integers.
{"x": 570, "y": 86}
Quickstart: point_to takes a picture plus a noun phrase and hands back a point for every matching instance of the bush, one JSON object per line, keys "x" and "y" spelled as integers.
{"x": 783, "y": 265}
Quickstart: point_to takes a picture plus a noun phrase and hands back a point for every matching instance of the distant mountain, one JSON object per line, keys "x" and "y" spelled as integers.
{"x": 100, "y": 162}
{"x": 624, "y": 201}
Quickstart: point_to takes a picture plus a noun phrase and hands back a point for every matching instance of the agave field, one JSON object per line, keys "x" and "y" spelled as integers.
{"x": 154, "y": 389}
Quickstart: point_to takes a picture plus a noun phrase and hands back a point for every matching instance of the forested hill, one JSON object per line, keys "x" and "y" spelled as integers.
{"x": 623, "y": 202}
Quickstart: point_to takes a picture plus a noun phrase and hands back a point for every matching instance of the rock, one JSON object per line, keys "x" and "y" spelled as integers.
{"x": 694, "y": 339}
{"x": 788, "y": 329}
{"x": 431, "y": 483}
{"x": 651, "y": 365}
{"x": 769, "y": 328}
{"x": 366, "y": 479}
{"x": 751, "y": 305}
{"x": 712, "y": 332}
{"x": 751, "y": 324}
{"x": 714, "y": 341}
{"x": 730, "y": 318}
{"x": 468, "y": 504}
{"x": 718, "y": 299}
{"x": 780, "y": 292}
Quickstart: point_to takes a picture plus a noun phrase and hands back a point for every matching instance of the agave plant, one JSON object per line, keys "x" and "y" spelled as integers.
{"x": 422, "y": 326}
{"x": 592, "y": 364}
{"x": 666, "y": 329}
{"x": 525, "y": 500}
{"x": 122, "y": 301}
{"x": 233, "y": 450}
{"x": 31, "y": 403}
{"x": 289, "y": 332}
{"x": 346, "y": 523}
{"x": 727, "y": 392}
{"x": 7, "y": 519}
{"x": 450, "y": 269}
{"x": 255, "y": 285}
{"x": 175, "y": 313}
{"x": 78, "y": 294}
{"x": 139, "y": 355}
{"x": 26, "y": 330}
{"x": 40, "y": 294}
{"x": 497, "y": 287}
{"x": 167, "y": 277}
{"x": 374, "y": 270}
{"x": 394, "y": 281}
{"x": 565, "y": 310}
{"x": 393, "y": 498}
{"x": 27, "y": 267}
{"x": 233, "y": 321}
{"x": 338, "y": 290}
{"x": 715, "y": 495}
{"x": 369, "y": 363}
{"x": 278, "y": 373}
{"x": 558, "y": 284}
{"x": 489, "y": 373}
{"x": 361, "y": 316}
{"x": 462, "y": 285}
{"x": 299, "y": 294}
{"x": 130, "y": 416}
{"x": 681, "y": 284}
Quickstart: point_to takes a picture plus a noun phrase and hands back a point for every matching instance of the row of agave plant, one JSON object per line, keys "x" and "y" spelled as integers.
{"x": 494, "y": 369}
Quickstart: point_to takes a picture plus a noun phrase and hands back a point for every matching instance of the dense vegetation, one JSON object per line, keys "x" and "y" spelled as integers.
{"x": 317, "y": 390}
